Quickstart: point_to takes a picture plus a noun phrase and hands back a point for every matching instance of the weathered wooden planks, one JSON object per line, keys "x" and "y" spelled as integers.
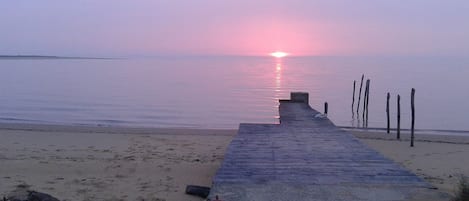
{"x": 306, "y": 157}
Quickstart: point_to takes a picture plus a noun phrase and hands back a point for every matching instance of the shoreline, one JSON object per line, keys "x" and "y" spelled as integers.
{"x": 416, "y": 131}
{"x": 123, "y": 163}
{"x": 113, "y": 129}
{"x": 405, "y": 137}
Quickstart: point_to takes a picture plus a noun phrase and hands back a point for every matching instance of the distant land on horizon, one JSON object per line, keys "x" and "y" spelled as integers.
{"x": 46, "y": 57}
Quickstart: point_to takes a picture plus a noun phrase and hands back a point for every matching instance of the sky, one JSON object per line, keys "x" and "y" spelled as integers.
{"x": 235, "y": 27}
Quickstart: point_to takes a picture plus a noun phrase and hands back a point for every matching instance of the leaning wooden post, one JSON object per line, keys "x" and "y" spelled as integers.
{"x": 353, "y": 97}
{"x": 359, "y": 96}
{"x": 325, "y": 108}
{"x": 367, "y": 99}
{"x": 387, "y": 112}
{"x": 364, "y": 105}
{"x": 412, "y": 103}
{"x": 398, "y": 117}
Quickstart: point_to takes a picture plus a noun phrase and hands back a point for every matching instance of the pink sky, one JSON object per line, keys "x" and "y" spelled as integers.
{"x": 243, "y": 27}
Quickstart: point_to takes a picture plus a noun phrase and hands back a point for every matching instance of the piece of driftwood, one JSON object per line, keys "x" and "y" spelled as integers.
{"x": 200, "y": 191}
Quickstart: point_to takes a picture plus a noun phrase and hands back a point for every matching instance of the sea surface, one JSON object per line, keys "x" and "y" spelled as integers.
{"x": 221, "y": 92}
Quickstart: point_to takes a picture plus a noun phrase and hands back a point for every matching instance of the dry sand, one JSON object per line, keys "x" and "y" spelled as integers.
{"x": 85, "y": 163}
{"x": 440, "y": 160}
{"x": 97, "y": 163}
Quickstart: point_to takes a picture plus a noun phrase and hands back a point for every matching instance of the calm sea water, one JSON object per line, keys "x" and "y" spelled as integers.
{"x": 221, "y": 92}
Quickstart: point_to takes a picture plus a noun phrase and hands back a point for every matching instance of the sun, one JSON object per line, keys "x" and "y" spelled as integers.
{"x": 279, "y": 54}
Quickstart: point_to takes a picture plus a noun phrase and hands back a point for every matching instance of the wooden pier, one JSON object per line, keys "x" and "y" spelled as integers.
{"x": 306, "y": 157}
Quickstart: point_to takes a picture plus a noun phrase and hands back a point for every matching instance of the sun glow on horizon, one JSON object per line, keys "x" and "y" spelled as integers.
{"x": 279, "y": 54}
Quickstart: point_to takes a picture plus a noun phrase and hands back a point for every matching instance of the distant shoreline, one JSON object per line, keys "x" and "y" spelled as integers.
{"x": 22, "y": 57}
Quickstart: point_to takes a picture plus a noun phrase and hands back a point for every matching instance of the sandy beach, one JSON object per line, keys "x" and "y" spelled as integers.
{"x": 86, "y": 163}
{"x": 440, "y": 160}
{"x": 100, "y": 163}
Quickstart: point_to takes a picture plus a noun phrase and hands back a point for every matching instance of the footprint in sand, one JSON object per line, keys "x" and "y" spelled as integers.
{"x": 111, "y": 167}
{"x": 49, "y": 188}
{"x": 131, "y": 170}
{"x": 82, "y": 191}
{"x": 147, "y": 158}
{"x": 129, "y": 158}
{"x": 144, "y": 186}
{"x": 115, "y": 199}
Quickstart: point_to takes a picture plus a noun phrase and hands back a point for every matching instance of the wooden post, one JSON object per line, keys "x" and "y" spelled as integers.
{"x": 364, "y": 101}
{"x": 412, "y": 104}
{"x": 367, "y": 99}
{"x": 364, "y": 106}
{"x": 325, "y": 108}
{"x": 398, "y": 117}
{"x": 387, "y": 112}
{"x": 353, "y": 97}
{"x": 360, "y": 95}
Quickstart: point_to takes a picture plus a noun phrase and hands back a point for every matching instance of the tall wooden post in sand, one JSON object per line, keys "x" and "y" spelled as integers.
{"x": 360, "y": 96}
{"x": 367, "y": 99}
{"x": 398, "y": 117}
{"x": 412, "y": 105}
{"x": 387, "y": 113}
{"x": 353, "y": 97}
{"x": 326, "y": 106}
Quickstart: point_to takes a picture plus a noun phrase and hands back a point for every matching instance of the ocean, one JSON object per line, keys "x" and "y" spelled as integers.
{"x": 223, "y": 91}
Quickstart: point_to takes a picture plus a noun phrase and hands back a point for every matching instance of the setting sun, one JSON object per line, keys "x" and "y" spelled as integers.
{"x": 279, "y": 54}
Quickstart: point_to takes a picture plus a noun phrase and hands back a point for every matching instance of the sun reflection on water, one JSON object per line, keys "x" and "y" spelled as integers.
{"x": 278, "y": 79}
{"x": 278, "y": 85}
